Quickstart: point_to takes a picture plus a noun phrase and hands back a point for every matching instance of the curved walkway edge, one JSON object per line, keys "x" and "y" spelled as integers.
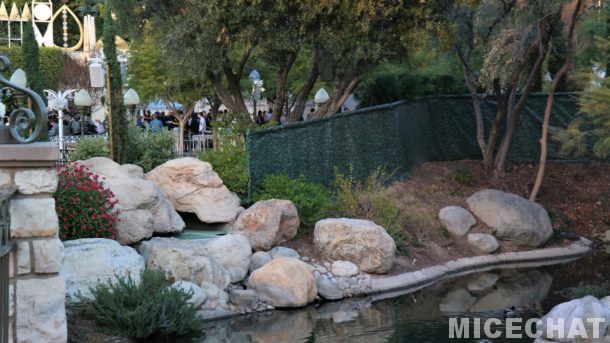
{"x": 412, "y": 281}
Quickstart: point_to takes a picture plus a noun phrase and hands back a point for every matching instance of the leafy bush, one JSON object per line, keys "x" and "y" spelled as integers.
{"x": 370, "y": 199}
{"x": 230, "y": 162}
{"x": 149, "y": 149}
{"x": 88, "y": 147}
{"x": 311, "y": 199}
{"x": 150, "y": 308}
{"x": 85, "y": 207}
{"x": 463, "y": 175}
{"x": 51, "y": 63}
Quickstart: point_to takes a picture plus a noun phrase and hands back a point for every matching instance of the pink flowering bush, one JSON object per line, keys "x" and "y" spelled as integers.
{"x": 85, "y": 207}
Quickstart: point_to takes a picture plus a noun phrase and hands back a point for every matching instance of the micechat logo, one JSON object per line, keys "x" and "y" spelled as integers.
{"x": 551, "y": 328}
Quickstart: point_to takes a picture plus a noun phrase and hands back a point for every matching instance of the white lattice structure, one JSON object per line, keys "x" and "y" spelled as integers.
{"x": 43, "y": 17}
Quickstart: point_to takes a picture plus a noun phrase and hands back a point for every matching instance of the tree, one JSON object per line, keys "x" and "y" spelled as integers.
{"x": 512, "y": 40}
{"x": 31, "y": 59}
{"x": 117, "y": 120}
{"x": 551, "y": 94}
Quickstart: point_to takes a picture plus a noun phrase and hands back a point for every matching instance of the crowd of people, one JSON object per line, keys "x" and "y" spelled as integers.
{"x": 74, "y": 125}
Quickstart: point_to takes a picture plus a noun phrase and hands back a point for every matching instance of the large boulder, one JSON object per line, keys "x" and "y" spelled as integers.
{"x": 193, "y": 186}
{"x": 233, "y": 252}
{"x": 457, "y": 220}
{"x": 143, "y": 206}
{"x": 268, "y": 222}
{"x": 362, "y": 242}
{"x": 284, "y": 282}
{"x": 512, "y": 217}
{"x": 184, "y": 261}
{"x": 577, "y": 310}
{"x": 90, "y": 261}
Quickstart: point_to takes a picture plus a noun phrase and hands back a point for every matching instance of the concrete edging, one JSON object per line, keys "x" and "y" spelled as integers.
{"x": 412, "y": 281}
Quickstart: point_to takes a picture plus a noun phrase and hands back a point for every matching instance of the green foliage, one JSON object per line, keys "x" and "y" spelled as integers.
{"x": 85, "y": 207}
{"x": 117, "y": 108}
{"x": 148, "y": 149}
{"x": 51, "y": 64}
{"x": 142, "y": 310}
{"x": 311, "y": 199}
{"x": 31, "y": 59}
{"x": 370, "y": 199}
{"x": 230, "y": 162}
{"x": 88, "y": 147}
{"x": 463, "y": 175}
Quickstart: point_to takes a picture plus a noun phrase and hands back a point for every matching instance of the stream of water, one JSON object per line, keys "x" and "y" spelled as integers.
{"x": 422, "y": 316}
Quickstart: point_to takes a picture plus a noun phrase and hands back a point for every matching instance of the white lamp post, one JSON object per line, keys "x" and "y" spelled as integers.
{"x": 58, "y": 101}
{"x": 321, "y": 97}
{"x": 257, "y": 89}
{"x": 131, "y": 100}
{"x": 83, "y": 102}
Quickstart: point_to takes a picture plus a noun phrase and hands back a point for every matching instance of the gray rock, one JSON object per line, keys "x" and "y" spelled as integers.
{"x": 233, "y": 252}
{"x": 267, "y": 223}
{"x": 483, "y": 242}
{"x": 198, "y": 296}
{"x": 327, "y": 289}
{"x": 457, "y": 220}
{"x": 48, "y": 255}
{"x": 33, "y": 218}
{"x": 33, "y": 181}
{"x": 577, "y": 309}
{"x": 259, "y": 259}
{"x": 184, "y": 261}
{"x": 40, "y": 308}
{"x": 90, "y": 261}
{"x": 284, "y": 252}
{"x": 23, "y": 258}
{"x": 512, "y": 217}
{"x": 344, "y": 268}
{"x": 362, "y": 242}
{"x": 244, "y": 298}
{"x": 215, "y": 298}
{"x": 284, "y": 282}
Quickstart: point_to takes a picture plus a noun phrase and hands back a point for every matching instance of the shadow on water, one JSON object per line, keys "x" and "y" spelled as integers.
{"x": 422, "y": 316}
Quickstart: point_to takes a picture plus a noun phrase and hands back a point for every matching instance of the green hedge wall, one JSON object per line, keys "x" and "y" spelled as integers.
{"x": 51, "y": 64}
{"x": 399, "y": 136}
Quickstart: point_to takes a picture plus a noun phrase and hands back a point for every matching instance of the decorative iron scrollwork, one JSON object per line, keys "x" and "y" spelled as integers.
{"x": 26, "y": 125}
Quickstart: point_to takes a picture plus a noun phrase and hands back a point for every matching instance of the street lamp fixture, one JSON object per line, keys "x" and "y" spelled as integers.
{"x": 321, "y": 97}
{"x": 131, "y": 100}
{"x": 83, "y": 103}
{"x": 257, "y": 89}
{"x": 19, "y": 79}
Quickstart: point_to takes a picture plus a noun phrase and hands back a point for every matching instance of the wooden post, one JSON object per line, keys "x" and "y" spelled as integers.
{"x": 109, "y": 112}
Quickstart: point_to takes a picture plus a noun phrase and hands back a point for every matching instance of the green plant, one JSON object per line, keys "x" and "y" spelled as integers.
{"x": 148, "y": 149}
{"x": 51, "y": 63}
{"x": 230, "y": 162}
{"x": 31, "y": 59}
{"x": 141, "y": 310}
{"x": 463, "y": 175}
{"x": 90, "y": 146}
{"x": 370, "y": 199}
{"x": 85, "y": 207}
{"x": 311, "y": 199}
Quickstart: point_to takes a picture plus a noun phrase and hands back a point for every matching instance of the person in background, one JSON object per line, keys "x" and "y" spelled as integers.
{"x": 75, "y": 125}
{"x": 54, "y": 131}
{"x": 260, "y": 120}
{"x": 139, "y": 121}
{"x": 155, "y": 124}
{"x": 99, "y": 126}
{"x": 202, "y": 124}
{"x": 268, "y": 116}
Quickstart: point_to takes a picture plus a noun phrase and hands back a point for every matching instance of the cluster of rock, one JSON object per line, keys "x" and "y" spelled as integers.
{"x": 148, "y": 202}
{"x": 510, "y": 217}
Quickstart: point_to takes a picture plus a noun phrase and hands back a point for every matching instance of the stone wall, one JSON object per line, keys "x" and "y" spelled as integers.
{"x": 37, "y": 291}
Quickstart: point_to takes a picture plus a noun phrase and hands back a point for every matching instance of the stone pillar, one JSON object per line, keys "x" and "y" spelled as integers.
{"x": 37, "y": 291}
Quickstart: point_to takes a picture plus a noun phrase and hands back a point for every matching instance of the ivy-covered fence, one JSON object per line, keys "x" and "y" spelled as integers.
{"x": 399, "y": 135}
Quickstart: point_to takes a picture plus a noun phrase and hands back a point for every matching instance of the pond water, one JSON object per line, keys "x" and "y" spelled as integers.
{"x": 421, "y": 316}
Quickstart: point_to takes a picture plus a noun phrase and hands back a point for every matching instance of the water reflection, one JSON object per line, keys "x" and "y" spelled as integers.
{"x": 419, "y": 317}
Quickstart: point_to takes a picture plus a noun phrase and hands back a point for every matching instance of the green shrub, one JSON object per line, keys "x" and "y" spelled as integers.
{"x": 463, "y": 175}
{"x": 230, "y": 162}
{"x": 311, "y": 199}
{"x": 85, "y": 207}
{"x": 51, "y": 63}
{"x": 88, "y": 147}
{"x": 370, "y": 199}
{"x": 150, "y": 308}
{"x": 149, "y": 149}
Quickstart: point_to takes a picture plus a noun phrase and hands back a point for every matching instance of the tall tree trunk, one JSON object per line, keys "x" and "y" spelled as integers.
{"x": 303, "y": 96}
{"x": 281, "y": 91}
{"x": 548, "y": 111}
